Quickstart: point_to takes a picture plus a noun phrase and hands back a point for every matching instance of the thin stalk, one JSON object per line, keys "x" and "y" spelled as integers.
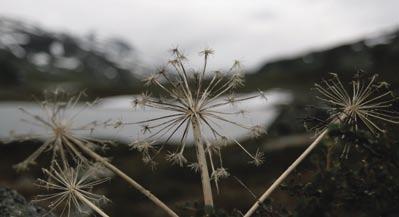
{"x": 280, "y": 179}
{"x": 201, "y": 158}
{"x": 90, "y": 204}
{"x": 125, "y": 177}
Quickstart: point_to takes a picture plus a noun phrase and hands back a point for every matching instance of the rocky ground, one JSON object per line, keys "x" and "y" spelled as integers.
{"x": 13, "y": 204}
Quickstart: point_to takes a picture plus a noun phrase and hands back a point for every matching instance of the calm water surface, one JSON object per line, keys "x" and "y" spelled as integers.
{"x": 258, "y": 110}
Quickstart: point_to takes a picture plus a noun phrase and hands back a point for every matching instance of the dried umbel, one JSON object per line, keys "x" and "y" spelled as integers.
{"x": 66, "y": 145}
{"x": 367, "y": 103}
{"x": 70, "y": 190}
{"x": 191, "y": 101}
{"x": 61, "y": 137}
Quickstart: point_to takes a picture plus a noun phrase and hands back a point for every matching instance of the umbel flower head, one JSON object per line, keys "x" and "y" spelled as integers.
{"x": 61, "y": 137}
{"x": 67, "y": 146}
{"x": 367, "y": 102}
{"x": 70, "y": 190}
{"x": 190, "y": 98}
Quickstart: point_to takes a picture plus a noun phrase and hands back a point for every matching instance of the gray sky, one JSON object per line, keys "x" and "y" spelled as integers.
{"x": 253, "y": 31}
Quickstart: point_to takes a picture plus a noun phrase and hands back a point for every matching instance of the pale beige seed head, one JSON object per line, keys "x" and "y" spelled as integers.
{"x": 194, "y": 96}
{"x": 69, "y": 189}
{"x": 366, "y": 103}
{"x": 59, "y": 110}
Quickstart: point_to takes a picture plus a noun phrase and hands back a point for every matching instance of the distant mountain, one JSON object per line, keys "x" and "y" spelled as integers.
{"x": 34, "y": 59}
{"x": 378, "y": 55}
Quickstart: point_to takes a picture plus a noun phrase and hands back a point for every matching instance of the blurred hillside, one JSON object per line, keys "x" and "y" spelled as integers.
{"x": 33, "y": 59}
{"x": 377, "y": 55}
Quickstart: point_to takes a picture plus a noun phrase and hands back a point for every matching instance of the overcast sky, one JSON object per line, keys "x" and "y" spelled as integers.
{"x": 253, "y": 31}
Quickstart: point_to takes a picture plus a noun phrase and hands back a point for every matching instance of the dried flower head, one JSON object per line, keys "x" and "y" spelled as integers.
{"x": 176, "y": 158}
{"x": 194, "y": 167}
{"x": 141, "y": 146}
{"x": 207, "y": 51}
{"x": 258, "y": 131}
{"x": 72, "y": 190}
{"x": 69, "y": 147}
{"x": 366, "y": 103}
{"x": 60, "y": 111}
{"x": 191, "y": 98}
{"x": 141, "y": 101}
{"x": 192, "y": 102}
{"x": 258, "y": 158}
{"x": 150, "y": 79}
{"x": 220, "y": 173}
{"x": 188, "y": 97}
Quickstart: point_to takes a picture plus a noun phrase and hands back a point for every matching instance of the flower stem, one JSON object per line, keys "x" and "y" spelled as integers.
{"x": 90, "y": 204}
{"x": 280, "y": 179}
{"x": 201, "y": 158}
{"x": 125, "y": 177}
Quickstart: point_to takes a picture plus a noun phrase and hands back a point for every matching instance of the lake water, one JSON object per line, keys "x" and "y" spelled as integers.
{"x": 259, "y": 111}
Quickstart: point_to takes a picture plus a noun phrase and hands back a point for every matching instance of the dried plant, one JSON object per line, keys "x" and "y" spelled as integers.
{"x": 66, "y": 145}
{"x": 71, "y": 190}
{"x": 370, "y": 101}
{"x": 191, "y": 101}
{"x": 61, "y": 134}
{"x": 367, "y": 103}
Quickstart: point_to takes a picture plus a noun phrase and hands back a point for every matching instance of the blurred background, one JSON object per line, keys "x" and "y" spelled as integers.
{"x": 108, "y": 47}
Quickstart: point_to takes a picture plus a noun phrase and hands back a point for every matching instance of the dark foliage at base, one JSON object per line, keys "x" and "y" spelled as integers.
{"x": 196, "y": 209}
{"x": 364, "y": 183}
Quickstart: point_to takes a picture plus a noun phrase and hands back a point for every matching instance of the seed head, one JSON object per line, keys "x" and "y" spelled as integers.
{"x": 258, "y": 158}
{"x": 150, "y": 80}
{"x": 191, "y": 96}
{"x": 237, "y": 80}
{"x": 141, "y": 146}
{"x": 220, "y": 173}
{"x": 194, "y": 167}
{"x": 141, "y": 101}
{"x": 258, "y": 131}
{"x": 71, "y": 189}
{"x": 366, "y": 103}
{"x": 176, "y": 158}
{"x": 60, "y": 110}
{"x": 207, "y": 51}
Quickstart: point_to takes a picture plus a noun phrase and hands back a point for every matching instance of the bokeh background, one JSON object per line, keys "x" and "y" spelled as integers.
{"x": 108, "y": 47}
